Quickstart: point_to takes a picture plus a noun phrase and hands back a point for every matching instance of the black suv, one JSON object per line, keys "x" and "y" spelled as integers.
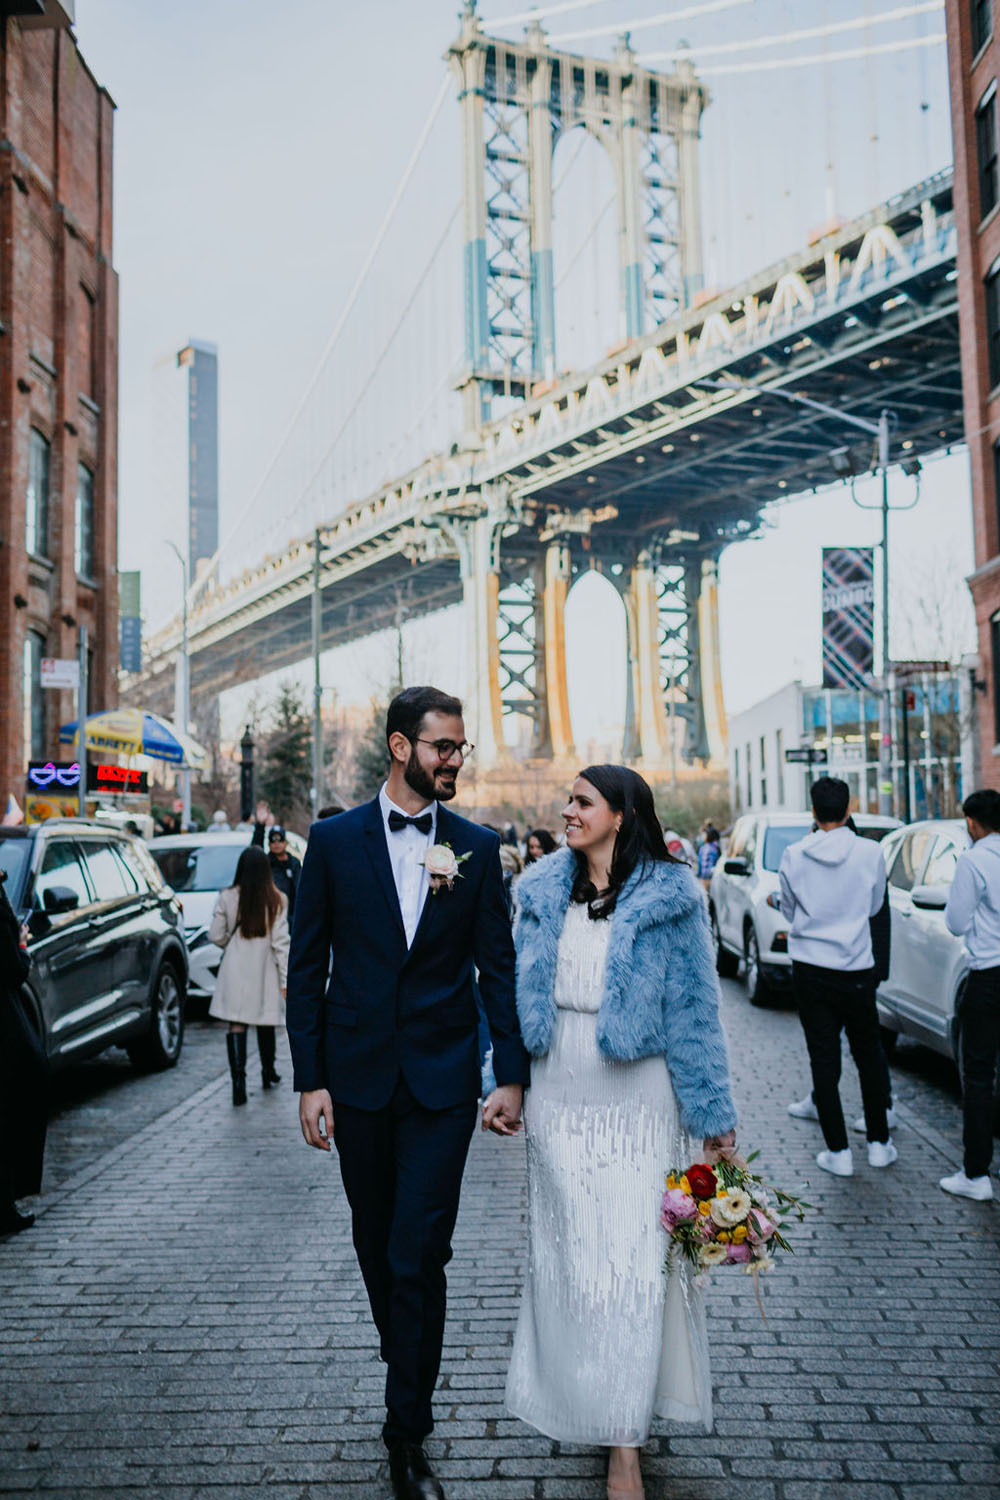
{"x": 109, "y": 965}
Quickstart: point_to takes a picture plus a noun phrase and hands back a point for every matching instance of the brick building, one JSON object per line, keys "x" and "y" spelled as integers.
{"x": 58, "y": 379}
{"x": 974, "y": 72}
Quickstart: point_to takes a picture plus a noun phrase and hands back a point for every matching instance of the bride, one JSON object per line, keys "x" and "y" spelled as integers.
{"x": 618, "y": 1002}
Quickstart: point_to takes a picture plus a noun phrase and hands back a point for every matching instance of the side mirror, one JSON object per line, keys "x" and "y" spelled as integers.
{"x": 736, "y": 867}
{"x": 930, "y": 897}
{"x": 59, "y": 898}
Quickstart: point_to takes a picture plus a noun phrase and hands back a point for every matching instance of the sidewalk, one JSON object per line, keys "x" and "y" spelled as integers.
{"x": 186, "y": 1320}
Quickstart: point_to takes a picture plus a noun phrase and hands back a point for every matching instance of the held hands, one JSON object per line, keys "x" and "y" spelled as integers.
{"x": 502, "y": 1110}
{"x": 315, "y": 1109}
{"x": 720, "y": 1147}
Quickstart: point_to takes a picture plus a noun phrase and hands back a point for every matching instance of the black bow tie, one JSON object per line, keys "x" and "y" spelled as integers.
{"x": 424, "y": 822}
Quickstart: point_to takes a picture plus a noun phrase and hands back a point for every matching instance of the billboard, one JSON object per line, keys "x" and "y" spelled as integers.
{"x": 848, "y": 616}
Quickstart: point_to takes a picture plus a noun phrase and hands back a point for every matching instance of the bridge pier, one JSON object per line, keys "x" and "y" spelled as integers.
{"x": 478, "y": 548}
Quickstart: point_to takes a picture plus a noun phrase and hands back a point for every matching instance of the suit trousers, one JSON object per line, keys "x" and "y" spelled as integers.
{"x": 831, "y": 1001}
{"x": 980, "y": 1018}
{"x": 402, "y": 1171}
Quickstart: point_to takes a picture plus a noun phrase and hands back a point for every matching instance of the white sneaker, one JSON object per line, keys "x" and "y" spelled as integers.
{"x": 840, "y": 1163}
{"x": 980, "y": 1188}
{"x": 804, "y": 1109}
{"x": 881, "y": 1153}
{"x": 891, "y": 1119}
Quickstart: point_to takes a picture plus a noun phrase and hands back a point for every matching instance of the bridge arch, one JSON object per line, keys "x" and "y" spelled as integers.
{"x": 596, "y": 665}
{"x": 589, "y": 307}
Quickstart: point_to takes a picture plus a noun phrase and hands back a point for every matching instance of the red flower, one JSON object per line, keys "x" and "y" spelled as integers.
{"x": 701, "y": 1180}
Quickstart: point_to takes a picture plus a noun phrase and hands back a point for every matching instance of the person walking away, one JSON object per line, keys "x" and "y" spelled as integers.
{"x": 285, "y": 872}
{"x": 618, "y": 998}
{"x": 831, "y": 885}
{"x": 973, "y": 913}
{"x": 251, "y": 923}
{"x": 409, "y": 898}
{"x": 23, "y": 1080}
{"x": 708, "y": 855}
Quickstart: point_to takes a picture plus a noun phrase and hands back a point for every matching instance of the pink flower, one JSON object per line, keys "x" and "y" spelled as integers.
{"x": 759, "y": 1227}
{"x": 677, "y": 1208}
{"x": 738, "y": 1255}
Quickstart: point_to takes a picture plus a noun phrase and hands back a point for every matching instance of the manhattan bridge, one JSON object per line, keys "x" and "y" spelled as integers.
{"x": 515, "y": 475}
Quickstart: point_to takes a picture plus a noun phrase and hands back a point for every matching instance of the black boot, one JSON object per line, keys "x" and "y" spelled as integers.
{"x": 265, "y": 1046}
{"x": 236, "y": 1046}
{"x": 411, "y": 1474}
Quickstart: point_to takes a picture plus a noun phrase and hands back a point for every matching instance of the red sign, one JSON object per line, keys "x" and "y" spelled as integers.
{"x": 117, "y": 779}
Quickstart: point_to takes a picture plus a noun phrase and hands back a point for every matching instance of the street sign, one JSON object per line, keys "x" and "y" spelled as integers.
{"x": 60, "y": 672}
{"x": 807, "y": 756}
{"x": 904, "y": 669}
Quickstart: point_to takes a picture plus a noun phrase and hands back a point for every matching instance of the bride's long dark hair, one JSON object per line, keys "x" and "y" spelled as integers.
{"x": 639, "y": 843}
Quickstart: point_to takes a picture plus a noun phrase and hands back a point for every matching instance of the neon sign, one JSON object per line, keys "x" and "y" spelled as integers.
{"x": 43, "y": 774}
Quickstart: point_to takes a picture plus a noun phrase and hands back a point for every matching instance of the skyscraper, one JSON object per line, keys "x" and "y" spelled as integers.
{"x": 202, "y": 363}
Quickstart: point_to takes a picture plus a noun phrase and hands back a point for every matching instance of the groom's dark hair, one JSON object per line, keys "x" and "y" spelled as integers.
{"x": 409, "y": 709}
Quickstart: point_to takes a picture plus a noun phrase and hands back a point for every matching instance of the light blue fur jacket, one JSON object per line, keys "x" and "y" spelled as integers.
{"x": 661, "y": 992}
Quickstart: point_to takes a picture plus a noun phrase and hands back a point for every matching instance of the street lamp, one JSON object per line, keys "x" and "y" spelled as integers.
{"x": 185, "y": 692}
{"x": 842, "y": 465}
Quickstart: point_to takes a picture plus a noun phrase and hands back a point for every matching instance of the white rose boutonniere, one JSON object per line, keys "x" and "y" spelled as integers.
{"x": 443, "y": 866}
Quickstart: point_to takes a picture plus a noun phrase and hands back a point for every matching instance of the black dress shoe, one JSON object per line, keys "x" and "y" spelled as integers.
{"x": 12, "y": 1221}
{"x": 411, "y": 1473}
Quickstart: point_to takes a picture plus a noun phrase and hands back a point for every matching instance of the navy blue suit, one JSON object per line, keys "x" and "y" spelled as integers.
{"x": 392, "y": 1033}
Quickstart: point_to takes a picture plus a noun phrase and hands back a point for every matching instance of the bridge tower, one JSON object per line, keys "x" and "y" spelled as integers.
{"x": 518, "y": 98}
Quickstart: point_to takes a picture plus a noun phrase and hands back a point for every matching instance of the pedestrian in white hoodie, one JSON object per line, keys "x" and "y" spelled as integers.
{"x": 832, "y": 884}
{"x": 973, "y": 913}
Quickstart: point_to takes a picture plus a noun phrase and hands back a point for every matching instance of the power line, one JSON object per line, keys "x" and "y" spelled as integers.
{"x": 808, "y": 33}
{"x": 539, "y": 12}
{"x": 848, "y": 55}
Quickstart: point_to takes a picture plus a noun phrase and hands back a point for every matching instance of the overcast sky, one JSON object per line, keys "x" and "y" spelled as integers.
{"x": 257, "y": 149}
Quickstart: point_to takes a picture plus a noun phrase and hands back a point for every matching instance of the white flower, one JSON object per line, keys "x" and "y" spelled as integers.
{"x": 440, "y": 861}
{"x": 763, "y": 1261}
{"x": 712, "y": 1255}
{"x": 732, "y": 1209}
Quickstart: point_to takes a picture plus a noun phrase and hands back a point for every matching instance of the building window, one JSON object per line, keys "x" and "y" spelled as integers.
{"x": 33, "y": 697}
{"x": 779, "y": 763}
{"x": 763, "y": 771}
{"x": 993, "y": 323}
{"x": 85, "y": 337}
{"x": 982, "y": 24}
{"x": 37, "y": 506}
{"x": 986, "y": 150}
{"x": 749, "y": 770}
{"x": 83, "y": 547}
{"x": 736, "y": 774}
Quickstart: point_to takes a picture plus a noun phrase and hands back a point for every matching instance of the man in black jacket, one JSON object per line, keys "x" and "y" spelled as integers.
{"x": 285, "y": 868}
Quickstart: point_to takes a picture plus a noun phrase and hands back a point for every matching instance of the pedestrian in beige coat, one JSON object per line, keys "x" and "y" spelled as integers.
{"x": 251, "y": 923}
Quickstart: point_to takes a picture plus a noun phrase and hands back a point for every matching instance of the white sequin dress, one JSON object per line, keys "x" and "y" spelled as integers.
{"x": 605, "y": 1340}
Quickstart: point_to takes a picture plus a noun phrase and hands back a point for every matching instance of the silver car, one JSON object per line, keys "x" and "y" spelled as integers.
{"x": 929, "y": 966}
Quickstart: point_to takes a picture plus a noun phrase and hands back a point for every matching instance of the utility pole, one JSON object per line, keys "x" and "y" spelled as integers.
{"x": 317, "y": 632}
{"x": 185, "y": 693}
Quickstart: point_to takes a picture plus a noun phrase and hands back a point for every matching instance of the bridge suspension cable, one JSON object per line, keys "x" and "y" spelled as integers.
{"x": 808, "y": 33}
{"x": 850, "y": 54}
{"x": 643, "y": 23}
{"x": 539, "y": 13}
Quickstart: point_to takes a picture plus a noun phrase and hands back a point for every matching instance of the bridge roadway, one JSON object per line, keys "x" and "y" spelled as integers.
{"x": 632, "y": 458}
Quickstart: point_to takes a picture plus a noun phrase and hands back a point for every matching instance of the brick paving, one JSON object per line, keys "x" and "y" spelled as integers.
{"x": 186, "y": 1320}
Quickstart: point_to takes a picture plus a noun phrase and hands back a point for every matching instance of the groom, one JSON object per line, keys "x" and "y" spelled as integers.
{"x": 386, "y": 1047}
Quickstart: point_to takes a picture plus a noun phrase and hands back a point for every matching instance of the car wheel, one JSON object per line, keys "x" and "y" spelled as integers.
{"x": 754, "y": 979}
{"x": 161, "y": 1045}
{"x": 726, "y": 964}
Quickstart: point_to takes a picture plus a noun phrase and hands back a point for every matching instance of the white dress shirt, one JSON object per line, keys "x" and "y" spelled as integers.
{"x": 406, "y": 849}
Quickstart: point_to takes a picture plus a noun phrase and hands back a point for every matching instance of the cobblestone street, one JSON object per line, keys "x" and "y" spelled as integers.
{"x": 186, "y": 1318}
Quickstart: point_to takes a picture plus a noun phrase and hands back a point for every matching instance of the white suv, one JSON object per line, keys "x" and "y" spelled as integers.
{"x": 744, "y": 926}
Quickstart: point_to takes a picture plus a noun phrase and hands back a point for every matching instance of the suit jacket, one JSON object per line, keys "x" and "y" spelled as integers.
{"x": 387, "y": 1009}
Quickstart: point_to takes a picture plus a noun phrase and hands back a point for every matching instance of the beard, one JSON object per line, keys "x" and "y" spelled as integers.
{"x": 437, "y": 787}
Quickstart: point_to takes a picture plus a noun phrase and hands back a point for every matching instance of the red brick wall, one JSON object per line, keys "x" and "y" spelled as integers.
{"x": 58, "y": 367}
{"x": 978, "y": 248}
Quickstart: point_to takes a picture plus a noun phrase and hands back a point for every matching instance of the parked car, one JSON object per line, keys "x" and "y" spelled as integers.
{"x": 745, "y": 927}
{"x": 109, "y": 964}
{"x": 197, "y": 866}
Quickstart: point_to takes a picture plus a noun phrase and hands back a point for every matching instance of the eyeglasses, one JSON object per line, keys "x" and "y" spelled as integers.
{"x": 446, "y": 748}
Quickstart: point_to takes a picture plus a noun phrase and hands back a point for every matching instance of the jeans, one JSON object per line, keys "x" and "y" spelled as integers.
{"x": 980, "y": 1018}
{"x": 831, "y": 1001}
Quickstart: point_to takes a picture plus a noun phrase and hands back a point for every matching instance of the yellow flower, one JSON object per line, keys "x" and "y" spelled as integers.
{"x": 704, "y": 1209}
{"x": 739, "y": 1234}
{"x": 724, "y": 1237}
{"x": 721, "y": 1192}
{"x": 684, "y": 1185}
{"x": 671, "y": 1180}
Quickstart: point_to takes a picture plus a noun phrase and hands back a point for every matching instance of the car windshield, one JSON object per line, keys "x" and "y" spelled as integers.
{"x": 199, "y": 867}
{"x": 777, "y": 840}
{"x": 15, "y": 857}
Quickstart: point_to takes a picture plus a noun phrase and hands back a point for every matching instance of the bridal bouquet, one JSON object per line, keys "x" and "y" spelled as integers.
{"x": 726, "y": 1216}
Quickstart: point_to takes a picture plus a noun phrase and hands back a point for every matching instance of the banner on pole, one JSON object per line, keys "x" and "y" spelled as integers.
{"x": 848, "y": 616}
{"x": 130, "y": 620}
